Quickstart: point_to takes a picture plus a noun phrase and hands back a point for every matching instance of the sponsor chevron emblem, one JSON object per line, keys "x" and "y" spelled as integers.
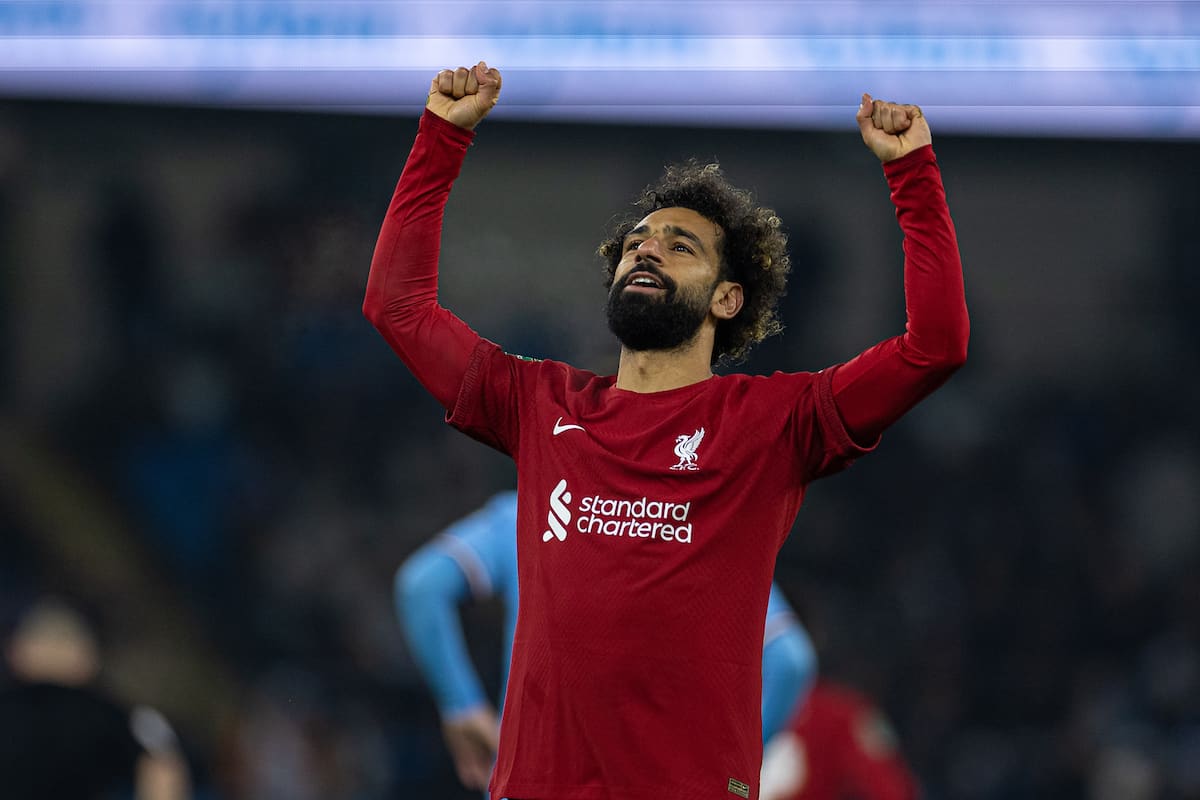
{"x": 559, "y": 515}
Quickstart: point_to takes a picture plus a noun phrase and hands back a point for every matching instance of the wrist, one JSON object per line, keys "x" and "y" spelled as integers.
{"x": 459, "y": 713}
{"x": 434, "y": 122}
{"x": 911, "y": 159}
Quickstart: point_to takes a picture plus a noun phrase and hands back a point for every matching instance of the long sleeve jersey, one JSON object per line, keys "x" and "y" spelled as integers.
{"x": 476, "y": 558}
{"x": 648, "y": 523}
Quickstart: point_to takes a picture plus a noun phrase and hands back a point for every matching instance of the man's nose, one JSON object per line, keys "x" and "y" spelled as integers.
{"x": 649, "y": 248}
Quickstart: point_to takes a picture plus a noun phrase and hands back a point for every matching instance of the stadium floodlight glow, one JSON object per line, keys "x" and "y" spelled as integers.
{"x": 1091, "y": 68}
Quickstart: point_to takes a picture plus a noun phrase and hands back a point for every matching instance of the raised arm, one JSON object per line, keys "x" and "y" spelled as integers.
{"x": 401, "y": 297}
{"x": 880, "y": 385}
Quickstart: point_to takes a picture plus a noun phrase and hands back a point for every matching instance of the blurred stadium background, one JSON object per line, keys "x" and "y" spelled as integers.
{"x": 204, "y": 444}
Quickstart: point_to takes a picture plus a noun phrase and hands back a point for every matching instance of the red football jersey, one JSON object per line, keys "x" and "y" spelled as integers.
{"x": 648, "y": 523}
{"x": 648, "y": 526}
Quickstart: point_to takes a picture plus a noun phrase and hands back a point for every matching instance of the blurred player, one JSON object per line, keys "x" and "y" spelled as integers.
{"x": 62, "y": 737}
{"x": 476, "y": 557}
{"x": 838, "y": 746}
{"x": 653, "y": 502}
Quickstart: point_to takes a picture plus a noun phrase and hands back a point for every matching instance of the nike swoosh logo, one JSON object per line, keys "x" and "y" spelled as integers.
{"x": 559, "y": 427}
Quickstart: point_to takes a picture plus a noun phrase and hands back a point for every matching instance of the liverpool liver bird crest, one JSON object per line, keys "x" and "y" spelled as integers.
{"x": 685, "y": 448}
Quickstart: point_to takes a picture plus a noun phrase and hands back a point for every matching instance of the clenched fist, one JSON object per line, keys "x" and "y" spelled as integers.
{"x": 464, "y": 96}
{"x": 891, "y": 130}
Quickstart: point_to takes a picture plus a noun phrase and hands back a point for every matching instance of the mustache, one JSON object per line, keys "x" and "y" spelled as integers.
{"x": 649, "y": 268}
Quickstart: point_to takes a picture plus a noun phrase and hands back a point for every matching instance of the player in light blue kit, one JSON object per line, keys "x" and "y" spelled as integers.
{"x": 477, "y": 557}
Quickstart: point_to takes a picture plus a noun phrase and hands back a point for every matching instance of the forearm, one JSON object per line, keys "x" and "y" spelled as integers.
{"x": 937, "y": 328}
{"x": 880, "y": 385}
{"x": 789, "y": 671}
{"x": 401, "y": 296}
{"x": 427, "y": 591}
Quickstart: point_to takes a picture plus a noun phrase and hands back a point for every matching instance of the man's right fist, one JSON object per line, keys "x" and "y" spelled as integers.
{"x": 464, "y": 96}
{"x": 891, "y": 130}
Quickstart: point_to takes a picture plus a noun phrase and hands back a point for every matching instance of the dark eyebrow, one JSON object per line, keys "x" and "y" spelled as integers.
{"x": 685, "y": 233}
{"x": 673, "y": 230}
{"x": 638, "y": 230}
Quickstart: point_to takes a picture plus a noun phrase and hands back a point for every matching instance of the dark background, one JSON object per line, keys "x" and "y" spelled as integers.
{"x": 205, "y": 444}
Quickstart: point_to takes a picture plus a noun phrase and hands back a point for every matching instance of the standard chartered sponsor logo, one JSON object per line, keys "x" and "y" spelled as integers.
{"x": 636, "y": 519}
{"x": 559, "y": 515}
{"x": 640, "y": 518}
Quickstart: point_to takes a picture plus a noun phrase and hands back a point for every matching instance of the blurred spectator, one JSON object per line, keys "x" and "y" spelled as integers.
{"x": 838, "y": 746}
{"x": 64, "y": 737}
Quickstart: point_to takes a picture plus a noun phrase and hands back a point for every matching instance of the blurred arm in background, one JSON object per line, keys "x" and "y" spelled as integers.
{"x": 475, "y": 557}
{"x": 789, "y": 666}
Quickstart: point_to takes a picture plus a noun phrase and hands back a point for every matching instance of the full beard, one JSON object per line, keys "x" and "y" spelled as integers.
{"x": 656, "y": 322}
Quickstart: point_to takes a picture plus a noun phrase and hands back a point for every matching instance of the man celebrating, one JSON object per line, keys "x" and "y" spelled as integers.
{"x": 652, "y": 503}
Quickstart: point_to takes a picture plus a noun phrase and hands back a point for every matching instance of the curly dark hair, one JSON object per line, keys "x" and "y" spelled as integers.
{"x": 753, "y": 248}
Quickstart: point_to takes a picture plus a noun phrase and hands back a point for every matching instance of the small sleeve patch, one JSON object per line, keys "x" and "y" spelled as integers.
{"x": 737, "y": 787}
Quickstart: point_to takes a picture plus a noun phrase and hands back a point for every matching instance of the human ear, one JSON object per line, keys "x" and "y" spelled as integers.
{"x": 727, "y": 300}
